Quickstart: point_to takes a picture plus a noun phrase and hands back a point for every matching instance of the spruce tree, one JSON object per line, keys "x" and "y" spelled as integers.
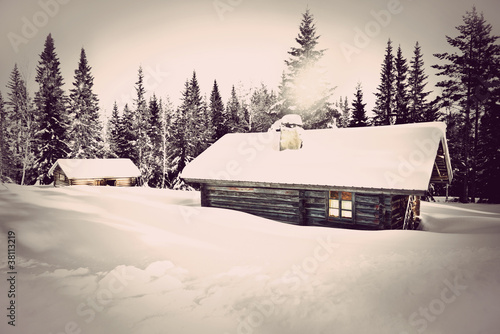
{"x": 113, "y": 133}
{"x": 489, "y": 148}
{"x": 262, "y": 114}
{"x": 344, "y": 112}
{"x": 384, "y": 104}
{"x": 20, "y": 130}
{"x": 4, "y": 154}
{"x": 359, "y": 117}
{"x": 473, "y": 64}
{"x": 180, "y": 148}
{"x": 51, "y": 113}
{"x": 141, "y": 126}
{"x": 417, "y": 102}
{"x": 127, "y": 136}
{"x": 155, "y": 137}
{"x": 232, "y": 110}
{"x": 307, "y": 91}
{"x": 85, "y": 128}
{"x": 217, "y": 112}
{"x": 401, "y": 88}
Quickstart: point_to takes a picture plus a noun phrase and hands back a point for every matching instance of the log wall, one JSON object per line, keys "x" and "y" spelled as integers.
{"x": 307, "y": 207}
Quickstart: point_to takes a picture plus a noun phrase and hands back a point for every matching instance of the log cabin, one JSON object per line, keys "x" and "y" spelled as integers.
{"x": 95, "y": 172}
{"x": 361, "y": 178}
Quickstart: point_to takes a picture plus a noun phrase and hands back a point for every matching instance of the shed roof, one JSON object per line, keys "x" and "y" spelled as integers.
{"x": 397, "y": 158}
{"x": 96, "y": 168}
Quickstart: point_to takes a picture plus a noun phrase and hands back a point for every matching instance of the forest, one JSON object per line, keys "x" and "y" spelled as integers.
{"x": 161, "y": 138}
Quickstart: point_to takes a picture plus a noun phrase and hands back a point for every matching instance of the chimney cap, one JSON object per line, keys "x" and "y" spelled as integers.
{"x": 291, "y": 120}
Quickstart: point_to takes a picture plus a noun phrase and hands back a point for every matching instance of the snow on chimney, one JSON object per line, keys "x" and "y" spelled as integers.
{"x": 290, "y": 132}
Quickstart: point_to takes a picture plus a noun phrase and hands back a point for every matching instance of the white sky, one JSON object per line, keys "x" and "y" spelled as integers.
{"x": 247, "y": 44}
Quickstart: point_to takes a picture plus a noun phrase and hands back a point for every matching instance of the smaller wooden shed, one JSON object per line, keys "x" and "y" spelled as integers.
{"x": 95, "y": 172}
{"x": 363, "y": 178}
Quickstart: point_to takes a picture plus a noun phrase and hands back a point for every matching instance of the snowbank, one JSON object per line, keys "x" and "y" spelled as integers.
{"x": 138, "y": 260}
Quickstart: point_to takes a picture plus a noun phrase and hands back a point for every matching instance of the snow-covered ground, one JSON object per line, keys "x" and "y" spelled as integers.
{"x": 137, "y": 260}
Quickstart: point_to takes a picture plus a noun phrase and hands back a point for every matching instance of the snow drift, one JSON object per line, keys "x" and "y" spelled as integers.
{"x": 137, "y": 260}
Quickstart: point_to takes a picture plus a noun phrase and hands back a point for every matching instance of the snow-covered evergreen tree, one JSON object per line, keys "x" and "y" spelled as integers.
{"x": 85, "y": 128}
{"x": 217, "y": 112}
{"x": 473, "y": 64}
{"x": 401, "y": 88}
{"x": 306, "y": 90}
{"x": 199, "y": 122}
{"x": 232, "y": 111}
{"x": 113, "y": 133}
{"x": 51, "y": 113}
{"x": 127, "y": 136}
{"x": 20, "y": 130}
{"x": 343, "y": 106}
{"x": 359, "y": 117}
{"x": 417, "y": 81}
{"x": 262, "y": 114}
{"x": 384, "y": 104}
{"x": 155, "y": 133}
{"x": 180, "y": 148}
{"x": 141, "y": 125}
{"x": 4, "y": 153}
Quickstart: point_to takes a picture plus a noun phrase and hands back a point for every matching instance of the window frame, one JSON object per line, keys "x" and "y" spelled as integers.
{"x": 346, "y": 220}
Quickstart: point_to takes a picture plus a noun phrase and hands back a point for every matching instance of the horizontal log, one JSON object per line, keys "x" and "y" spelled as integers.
{"x": 367, "y": 199}
{"x": 249, "y": 195}
{"x": 255, "y": 190}
{"x": 253, "y": 207}
{"x": 257, "y": 202}
{"x": 316, "y": 194}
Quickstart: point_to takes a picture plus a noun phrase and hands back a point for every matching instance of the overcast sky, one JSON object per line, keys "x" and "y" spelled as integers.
{"x": 232, "y": 41}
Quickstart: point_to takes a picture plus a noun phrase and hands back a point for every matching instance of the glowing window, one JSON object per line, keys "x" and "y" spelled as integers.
{"x": 340, "y": 204}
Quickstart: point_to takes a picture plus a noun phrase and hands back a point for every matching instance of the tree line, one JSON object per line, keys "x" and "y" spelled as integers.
{"x": 161, "y": 139}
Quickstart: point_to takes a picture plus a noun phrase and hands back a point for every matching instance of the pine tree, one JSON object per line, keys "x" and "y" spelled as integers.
{"x": 199, "y": 121}
{"x": 473, "y": 65}
{"x": 127, "y": 136}
{"x": 344, "y": 111}
{"x": 180, "y": 148}
{"x": 156, "y": 138}
{"x": 401, "y": 88}
{"x": 232, "y": 110}
{"x": 4, "y": 165}
{"x": 384, "y": 104}
{"x": 217, "y": 112}
{"x": 113, "y": 133}
{"x": 417, "y": 82}
{"x": 489, "y": 148}
{"x": 19, "y": 130}
{"x": 51, "y": 111}
{"x": 262, "y": 115}
{"x": 305, "y": 88}
{"x": 359, "y": 117}
{"x": 85, "y": 128}
{"x": 141, "y": 125}
{"x": 168, "y": 112}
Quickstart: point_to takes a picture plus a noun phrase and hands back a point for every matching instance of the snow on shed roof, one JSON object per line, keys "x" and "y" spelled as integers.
{"x": 96, "y": 168}
{"x": 397, "y": 157}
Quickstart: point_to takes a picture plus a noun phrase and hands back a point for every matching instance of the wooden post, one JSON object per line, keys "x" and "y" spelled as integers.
{"x": 302, "y": 208}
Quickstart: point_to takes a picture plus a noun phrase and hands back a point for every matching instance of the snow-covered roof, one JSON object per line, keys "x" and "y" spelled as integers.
{"x": 96, "y": 168}
{"x": 397, "y": 157}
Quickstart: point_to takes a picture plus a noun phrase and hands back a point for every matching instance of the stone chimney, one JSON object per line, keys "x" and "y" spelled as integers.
{"x": 290, "y": 132}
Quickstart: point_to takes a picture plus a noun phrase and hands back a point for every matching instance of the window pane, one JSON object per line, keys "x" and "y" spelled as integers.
{"x": 334, "y": 203}
{"x": 346, "y": 196}
{"x": 346, "y": 214}
{"x": 334, "y": 212}
{"x": 334, "y": 194}
{"x": 346, "y": 205}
